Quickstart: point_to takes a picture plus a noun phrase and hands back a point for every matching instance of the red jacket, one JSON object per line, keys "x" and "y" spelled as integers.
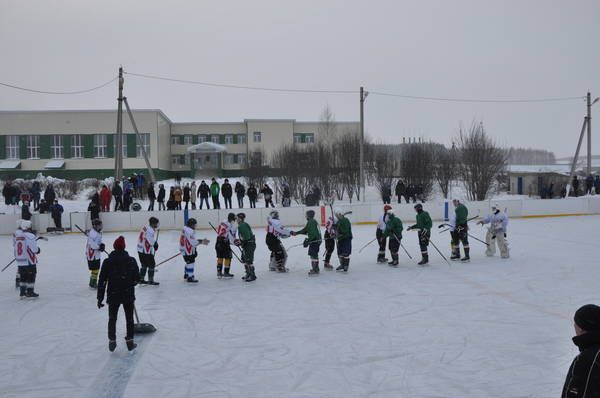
{"x": 105, "y": 197}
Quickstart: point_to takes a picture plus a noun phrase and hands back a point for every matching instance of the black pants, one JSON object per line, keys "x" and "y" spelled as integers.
{"x": 461, "y": 235}
{"x": 240, "y": 202}
{"x": 161, "y": 205}
{"x": 118, "y": 203}
{"x": 216, "y": 203}
{"x": 151, "y": 205}
{"x": 267, "y": 201}
{"x": 113, "y": 310}
{"x": 329, "y": 247}
{"x": 424, "y": 236}
{"x": 252, "y": 203}
{"x": 381, "y": 239}
{"x": 227, "y": 200}
{"x": 202, "y": 200}
{"x": 394, "y": 245}
{"x": 57, "y": 222}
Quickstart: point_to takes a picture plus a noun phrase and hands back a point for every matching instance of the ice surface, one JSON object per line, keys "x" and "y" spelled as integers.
{"x": 489, "y": 328}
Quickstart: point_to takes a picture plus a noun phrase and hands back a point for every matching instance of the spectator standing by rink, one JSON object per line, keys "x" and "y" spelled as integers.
{"x": 25, "y": 211}
{"x": 193, "y": 194}
{"x": 386, "y": 194}
{"x": 56, "y": 210}
{"x": 105, "y": 197}
{"x": 240, "y": 192}
{"x": 400, "y": 188}
{"x": 268, "y": 195}
{"x": 589, "y": 184}
{"x": 117, "y": 193}
{"x": 227, "y": 193}
{"x": 49, "y": 194}
{"x": 36, "y": 193}
{"x": 252, "y": 195}
{"x": 203, "y": 193}
{"x": 94, "y": 207}
{"x": 214, "y": 193}
{"x": 141, "y": 182}
{"x": 186, "y": 195}
{"x": 286, "y": 194}
{"x": 7, "y": 193}
{"x": 597, "y": 184}
{"x": 161, "y": 197}
{"x": 151, "y": 196}
{"x": 583, "y": 377}
{"x": 178, "y": 196}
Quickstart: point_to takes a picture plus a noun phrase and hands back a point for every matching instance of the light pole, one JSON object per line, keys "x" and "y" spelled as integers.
{"x": 363, "y": 97}
{"x": 589, "y": 131}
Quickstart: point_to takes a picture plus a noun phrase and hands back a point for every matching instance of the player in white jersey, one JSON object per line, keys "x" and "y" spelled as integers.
{"x": 496, "y": 233}
{"x": 93, "y": 248}
{"x": 26, "y": 250}
{"x": 380, "y": 235}
{"x": 147, "y": 246}
{"x": 226, "y": 235}
{"x": 18, "y": 277}
{"x": 276, "y": 230}
{"x": 329, "y": 237}
{"x": 187, "y": 247}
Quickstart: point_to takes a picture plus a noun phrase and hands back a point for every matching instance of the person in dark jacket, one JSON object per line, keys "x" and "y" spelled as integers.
{"x": 252, "y": 195}
{"x": 171, "y": 205}
{"x": 127, "y": 197}
{"x": 25, "y": 212}
{"x": 589, "y": 184}
{"x": 94, "y": 207}
{"x": 203, "y": 192}
{"x": 117, "y": 193}
{"x": 227, "y": 193}
{"x": 286, "y": 194}
{"x": 36, "y": 191}
{"x": 49, "y": 194}
{"x": 583, "y": 378}
{"x": 7, "y": 193}
{"x": 186, "y": 194}
{"x": 597, "y": 184}
{"x": 575, "y": 190}
{"x": 56, "y": 210}
{"x": 214, "y": 193}
{"x": 44, "y": 208}
{"x": 400, "y": 188}
{"x": 240, "y": 192}
{"x": 151, "y": 196}
{"x": 268, "y": 195}
{"x": 118, "y": 277}
{"x": 386, "y": 194}
{"x": 161, "y": 197}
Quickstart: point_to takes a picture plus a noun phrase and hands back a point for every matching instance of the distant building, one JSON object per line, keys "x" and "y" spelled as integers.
{"x": 78, "y": 144}
{"x": 538, "y": 180}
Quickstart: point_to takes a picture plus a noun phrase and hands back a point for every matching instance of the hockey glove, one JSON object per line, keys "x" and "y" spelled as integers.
{"x": 305, "y": 243}
{"x": 155, "y": 246}
{"x": 237, "y": 242}
{"x": 100, "y": 305}
{"x": 102, "y": 247}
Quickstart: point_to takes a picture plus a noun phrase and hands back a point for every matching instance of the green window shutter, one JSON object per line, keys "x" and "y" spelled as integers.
{"x": 110, "y": 145}
{"x": 131, "y": 146}
{"x": 88, "y": 146}
{"x": 2, "y": 146}
{"x": 180, "y": 137}
{"x": 303, "y": 138}
{"x": 194, "y": 139}
{"x": 45, "y": 144}
{"x": 235, "y": 138}
{"x": 23, "y": 147}
{"x": 66, "y": 141}
{"x": 221, "y": 139}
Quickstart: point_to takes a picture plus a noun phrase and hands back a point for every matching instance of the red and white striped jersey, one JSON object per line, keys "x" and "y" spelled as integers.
{"x": 25, "y": 248}
{"x": 146, "y": 240}
{"x": 92, "y": 247}
{"x": 274, "y": 227}
{"x": 330, "y": 226}
{"x": 227, "y": 230}
{"x": 188, "y": 242}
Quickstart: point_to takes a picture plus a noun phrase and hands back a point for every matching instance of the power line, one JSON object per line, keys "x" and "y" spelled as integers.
{"x": 478, "y": 100}
{"x": 31, "y": 90}
{"x": 243, "y": 87}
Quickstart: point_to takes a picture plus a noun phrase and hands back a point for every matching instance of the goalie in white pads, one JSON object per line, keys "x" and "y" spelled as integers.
{"x": 187, "y": 247}
{"x": 93, "y": 248}
{"x": 275, "y": 231}
{"x": 26, "y": 251}
{"x": 496, "y": 233}
{"x": 147, "y": 246}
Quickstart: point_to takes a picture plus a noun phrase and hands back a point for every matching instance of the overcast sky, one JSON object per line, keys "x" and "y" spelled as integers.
{"x": 458, "y": 48}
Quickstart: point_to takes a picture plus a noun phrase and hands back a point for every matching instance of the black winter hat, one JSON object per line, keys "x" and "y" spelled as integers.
{"x": 588, "y": 317}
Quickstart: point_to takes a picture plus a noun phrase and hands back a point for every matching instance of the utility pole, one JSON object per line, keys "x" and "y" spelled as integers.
{"x": 363, "y": 96}
{"x": 589, "y": 134}
{"x": 119, "y": 135}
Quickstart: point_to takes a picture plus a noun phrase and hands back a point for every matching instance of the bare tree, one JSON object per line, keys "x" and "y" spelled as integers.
{"x": 481, "y": 160}
{"x": 445, "y": 168}
{"x": 255, "y": 170}
{"x": 327, "y": 128}
{"x": 416, "y": 167}
{"x": 347, "y": 153}
{"x": 383, "y": 165}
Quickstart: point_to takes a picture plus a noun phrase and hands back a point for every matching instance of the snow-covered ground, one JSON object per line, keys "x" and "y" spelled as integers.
{"x": 488, "y": 328}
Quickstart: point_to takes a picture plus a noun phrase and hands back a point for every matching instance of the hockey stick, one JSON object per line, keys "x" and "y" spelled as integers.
{"x": 367, "y": 244}
{"x": 236, "y": 256}
{"x": 168, "y": 259}
{"x": 477, "y": 239}
{"x": 14, "y": 259}
{"x": 302, "y": 244}
{"x": 402, "y": 246}
{"x": 450, "y": 226}
{"x": 440, "y": 253}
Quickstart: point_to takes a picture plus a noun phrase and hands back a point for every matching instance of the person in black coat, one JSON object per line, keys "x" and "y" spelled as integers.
{"x": 94, "y": 207}
{"x": 227, "y": 193}
{"x": 117, "y": 193}
{"x": 252, "y": 195}
{"x": 186, "y": 195}
{"x": 118, "y": 277}
{"x": 203, "y": 193}
{"x": 44, "y": 208}
{"x": 400, "y": 189}
{"x": 56, "y": 211}
{"x": 36, "y": 191}
{"x": 49, "y": 194}
{"x": 161, "y": 197}
{"x": 386, "y": 194}
{"x": 268, "y": 195}
{"x": 240, "y": 192}
{"x": 25, "y": 212}
{"x": 151, "y": 196}
{"x": 583, "y": 378}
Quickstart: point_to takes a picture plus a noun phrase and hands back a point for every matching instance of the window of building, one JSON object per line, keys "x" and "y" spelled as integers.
{"x": 214, "y": 139}
{"x": 100, "y": 146}
{"x": 188, "y": 139}
{"x": 257, "y": 136}
{"x": 229, "y": 138}
{"x": 241, "y": 158}
{"x": 309, "y": 138}
{"x": 201, "y": 139}
{"x": 297, "y": 138}
{"x": 228, "y": 159}
{"x": 77, "y": 146}
{"x": 33, "y": 147}
{"x": 145, "y": 139}
{"x": 241, "y": 138}
{"x": 12, "y": 147}
{"x": 124, "y": 143}
{"x": 174, "y": 140}
{"x": 57, "y": 147}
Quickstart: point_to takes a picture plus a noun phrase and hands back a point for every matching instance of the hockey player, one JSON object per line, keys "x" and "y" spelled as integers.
{"x": 226, "y": 235}
{"x": 461, "y": 231}
{"x": 380, "y": 234}
{"x": 393, "y": 230}
{"x": 496, "y": 233}
{"x": 330, "y": 238}
{"x": 93, "y": 248}
{"x": 312, "y": 241}
{"x": 275, "y": 231}
{"x": 18, "y": 277}
{"x": 344, "y": 240}
{"x": 26, "y": 250}
{"x": 147, "y": 246}
{"x": 247, "y": 242}
{"x": 424, "y": 229}
{"x": 187, "y": 247}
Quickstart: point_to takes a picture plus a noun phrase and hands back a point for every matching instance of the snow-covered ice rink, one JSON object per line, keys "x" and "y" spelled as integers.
{"x": 488, "y": 328}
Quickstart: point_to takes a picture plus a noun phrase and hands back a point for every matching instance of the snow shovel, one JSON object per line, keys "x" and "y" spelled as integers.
{"x": 141, "y": 328}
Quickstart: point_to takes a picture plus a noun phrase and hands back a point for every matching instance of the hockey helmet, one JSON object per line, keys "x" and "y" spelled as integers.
{"x": 274, "y": 214}
{"x": 338, "y": 212}
{"x": 191, "y": 223}
{"x": 97, "y": 224}
{"x": 19, "y": 224}
{"x": 310, "y": 214}
{"x": 418, "y": 207}
{"x": 153, "y": 221}
{"x": 25, "y": 225}
{"x": 241, "y": 216}
{"x": 231, "y": 217}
